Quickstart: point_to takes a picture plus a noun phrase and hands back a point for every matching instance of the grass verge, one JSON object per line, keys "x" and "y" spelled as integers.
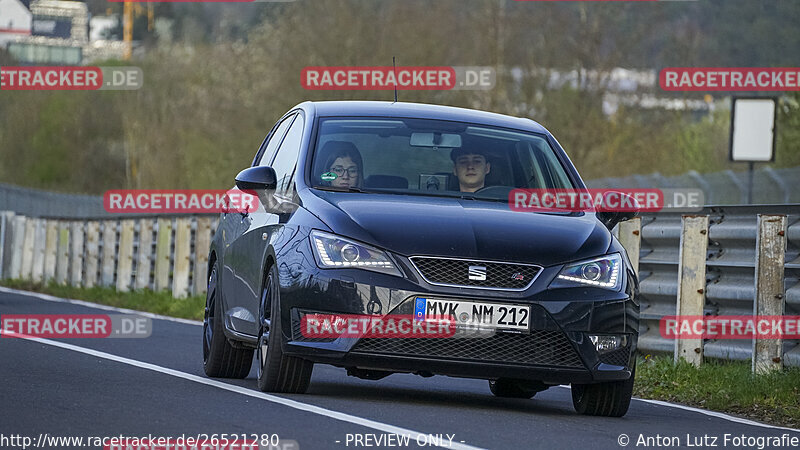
{"x": 726, "y": 386}
{"x": 142, "y": 300}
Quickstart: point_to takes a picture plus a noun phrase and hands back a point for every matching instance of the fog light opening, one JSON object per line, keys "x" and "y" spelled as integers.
{"x": 605, "y": 343}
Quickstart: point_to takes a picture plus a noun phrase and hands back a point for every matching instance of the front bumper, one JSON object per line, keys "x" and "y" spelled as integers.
{"x": 557, "y": 350}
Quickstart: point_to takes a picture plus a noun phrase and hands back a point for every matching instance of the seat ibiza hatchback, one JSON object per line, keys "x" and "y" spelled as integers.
{"x": 384, "y": 242}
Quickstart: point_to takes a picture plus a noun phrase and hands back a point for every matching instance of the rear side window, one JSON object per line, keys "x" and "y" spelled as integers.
{"x": 275, "y": 141}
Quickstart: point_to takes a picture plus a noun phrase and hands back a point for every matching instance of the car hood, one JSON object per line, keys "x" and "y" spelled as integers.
{"x": 455, "y": 227}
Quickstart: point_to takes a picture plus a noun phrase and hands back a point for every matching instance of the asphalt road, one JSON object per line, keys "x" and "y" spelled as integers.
{"x": 156, "y": 386}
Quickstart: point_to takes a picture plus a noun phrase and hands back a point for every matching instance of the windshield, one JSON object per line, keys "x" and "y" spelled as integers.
{"x": 432, "y": 157}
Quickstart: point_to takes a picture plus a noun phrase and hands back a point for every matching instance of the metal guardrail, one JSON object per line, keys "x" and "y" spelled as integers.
{"x": 164, "y": 253}
{"x": 770, "y": 186}
{"x": 56, "y": 205}
{"x": 169, "y": 253}
{"x": 730, "y": 274}
{"x": 38, "y": 203}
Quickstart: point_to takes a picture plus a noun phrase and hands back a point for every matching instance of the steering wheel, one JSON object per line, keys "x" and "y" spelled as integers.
{"x": 495, "y": 191}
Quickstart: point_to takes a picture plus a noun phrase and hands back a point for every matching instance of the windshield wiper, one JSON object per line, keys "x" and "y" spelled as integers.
{"x": 470, "y": 196}
{"x": 463, "y": 196}
{"x": 335, "y": 189}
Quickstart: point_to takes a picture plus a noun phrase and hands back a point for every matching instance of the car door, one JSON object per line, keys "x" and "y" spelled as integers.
{"x": 248, "y": 251}
{"x": 235, "y": 225}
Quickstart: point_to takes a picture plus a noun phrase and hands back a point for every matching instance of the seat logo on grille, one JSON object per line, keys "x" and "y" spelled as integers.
{"x": 477, "y": 273}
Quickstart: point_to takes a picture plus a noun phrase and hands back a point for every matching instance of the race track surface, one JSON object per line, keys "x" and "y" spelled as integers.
{"x": 156, "y": 386}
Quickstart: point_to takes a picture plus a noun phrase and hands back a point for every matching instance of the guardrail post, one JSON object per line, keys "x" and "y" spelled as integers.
{"x": 6, "y": 248}
{"x": 145, "y": 254}
{"x": 92, "y": 253}
{"x": 27, "y": 250}
{"x": 630, "y": 236}
{"x": 202, "y": 244}
{"x": 183, "y": 241}
{"x": 76, "y": 241}
{"x": 770, "y": 298}
{"x": 109, "y": 252}
{"x": 39, "y": 237}
{"x": 50, "y": 250}
{"x": 125, "y": 257}
{"x": 62, "y": 258}
{"x": 163, "y": 241}
{"x": 17, "y": 242}
{"x": 692, "y": 282}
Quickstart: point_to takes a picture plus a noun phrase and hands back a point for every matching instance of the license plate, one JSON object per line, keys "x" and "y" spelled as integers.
{"x": 475, "y": 314}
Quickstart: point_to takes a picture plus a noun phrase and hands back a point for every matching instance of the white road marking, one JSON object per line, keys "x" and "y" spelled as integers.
{"x": 51, "y": 298}
{"x": 386, "y": 428}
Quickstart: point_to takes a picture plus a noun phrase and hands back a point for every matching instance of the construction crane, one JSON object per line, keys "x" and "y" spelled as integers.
{"x": 129, "y": 8}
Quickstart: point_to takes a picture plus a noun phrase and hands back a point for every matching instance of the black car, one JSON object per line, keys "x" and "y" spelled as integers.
{"x": 382, "y": 209}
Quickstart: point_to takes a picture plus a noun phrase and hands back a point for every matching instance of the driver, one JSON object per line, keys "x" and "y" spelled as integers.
{"x": 470, "y": 167}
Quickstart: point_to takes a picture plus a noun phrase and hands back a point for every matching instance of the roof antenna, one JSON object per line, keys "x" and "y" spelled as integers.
{"x": 394, "y": 69}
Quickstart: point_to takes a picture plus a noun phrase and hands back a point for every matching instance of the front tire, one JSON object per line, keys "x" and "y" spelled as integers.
{"x": 610, "y": 399}
{"x": 220, "y": 358}
{"x": 277, "y": 372}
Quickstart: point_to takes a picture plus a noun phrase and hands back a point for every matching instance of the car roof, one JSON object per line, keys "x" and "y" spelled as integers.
{"x": 421, "y": 111}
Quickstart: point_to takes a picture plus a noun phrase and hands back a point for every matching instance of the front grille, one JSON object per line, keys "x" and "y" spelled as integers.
{"x": 457, "y": 272}
{"x": 545, "y": 348}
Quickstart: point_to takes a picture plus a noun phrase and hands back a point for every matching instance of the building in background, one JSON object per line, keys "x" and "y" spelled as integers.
{"x": 15, "y": 20}
{"x": 59, "y": 31}
{"x": 58, "y": 34}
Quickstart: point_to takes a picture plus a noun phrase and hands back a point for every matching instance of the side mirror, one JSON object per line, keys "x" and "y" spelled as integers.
{"x": 618, "y": 207}
{"x": 257, "y": 178}
{"x": 611, "y": 218}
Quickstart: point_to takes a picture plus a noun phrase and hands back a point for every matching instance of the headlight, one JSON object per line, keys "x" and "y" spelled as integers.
{"x": 603, "y": 272}
{"x": 336, "y": 252}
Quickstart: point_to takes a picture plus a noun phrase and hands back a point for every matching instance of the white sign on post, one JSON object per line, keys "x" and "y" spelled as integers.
{"x": 753, "y": 129}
